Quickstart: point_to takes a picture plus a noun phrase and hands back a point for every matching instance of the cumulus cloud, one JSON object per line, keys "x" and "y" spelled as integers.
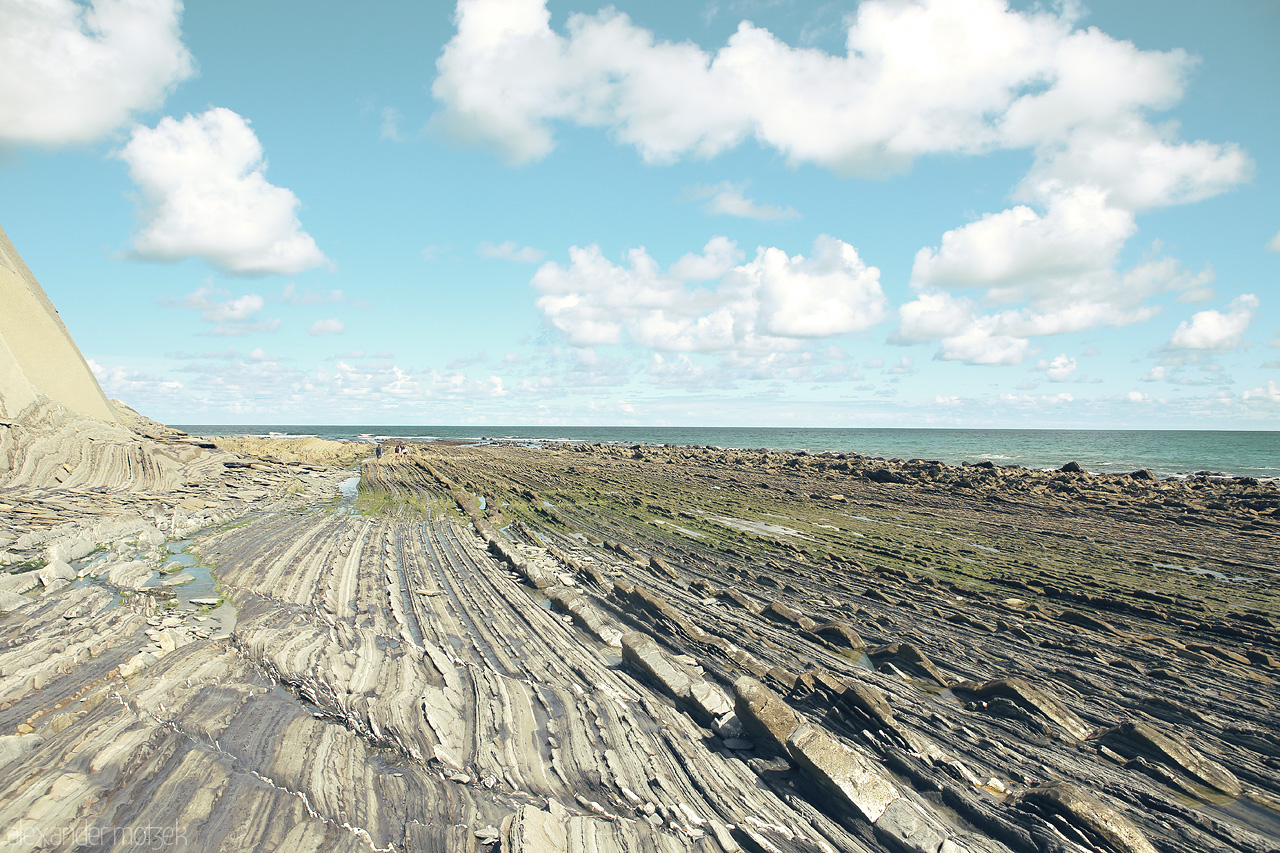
{"x": 916, "y": 78}
{"x": 1215, "y": 330}
{"x": 73, "y": 72}
{"x": 511, "y": 251}
{"x": 771, "y": 302}
{"x": 1140, "y": 166}
{"x": 1048, "y": 273}
{"x": 1269, "y": 392}
{"x": 230, "y": 316}
{"x": 1059, "y": 369}
{"x": 1274, "y": 244}
{"x": 729, "y": 199}
{"x": 204, "y": 194}
{"x": 931, "y": 316}
{"x": 1018, "y": 249}
{"x": 980, "y": 342}
{"x": 330, "y": 326}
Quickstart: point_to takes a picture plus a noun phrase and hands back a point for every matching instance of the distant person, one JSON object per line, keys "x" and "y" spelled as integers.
{"x": 377, "y": 452}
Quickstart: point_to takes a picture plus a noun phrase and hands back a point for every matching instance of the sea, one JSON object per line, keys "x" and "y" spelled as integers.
{"x": 1166, "y": 453}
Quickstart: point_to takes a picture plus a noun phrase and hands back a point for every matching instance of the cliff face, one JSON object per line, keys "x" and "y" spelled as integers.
{"x": 57, "y": 428}
{"x": 37, "y": 353}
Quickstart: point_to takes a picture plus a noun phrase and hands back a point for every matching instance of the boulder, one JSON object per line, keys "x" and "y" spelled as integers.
{"x": 55, "y": 570}
{"x": 13, "y": 747}
{"x": 19, "y": 583}
{"x": 130, "y": 575}
{"x": 841, "y": 636}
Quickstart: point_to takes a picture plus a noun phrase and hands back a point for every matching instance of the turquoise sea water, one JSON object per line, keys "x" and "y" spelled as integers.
{"x": 1166, "y": 452}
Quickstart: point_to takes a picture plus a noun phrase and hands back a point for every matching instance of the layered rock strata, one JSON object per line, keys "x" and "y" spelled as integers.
{"x": 668, "y": 649}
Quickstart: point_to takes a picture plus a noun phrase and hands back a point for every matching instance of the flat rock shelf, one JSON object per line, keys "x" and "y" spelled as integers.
{"x": 606, "y": 648}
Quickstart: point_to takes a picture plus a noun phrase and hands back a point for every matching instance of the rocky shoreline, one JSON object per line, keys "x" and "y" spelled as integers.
{"x": 590, "y": 647}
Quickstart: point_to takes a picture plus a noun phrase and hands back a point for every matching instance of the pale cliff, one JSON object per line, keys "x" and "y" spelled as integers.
{"x": 57, "y": 428}
{"x": 37, "y": 353}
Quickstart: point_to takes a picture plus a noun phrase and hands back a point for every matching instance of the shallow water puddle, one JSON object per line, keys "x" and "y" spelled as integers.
{"x": 759, "y": 528}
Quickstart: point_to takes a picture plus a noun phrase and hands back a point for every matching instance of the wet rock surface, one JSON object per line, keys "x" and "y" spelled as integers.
{"x": 617, "y": 648}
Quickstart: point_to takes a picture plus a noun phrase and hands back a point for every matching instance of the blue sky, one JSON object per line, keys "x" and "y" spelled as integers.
{"x": 931, "y": 213}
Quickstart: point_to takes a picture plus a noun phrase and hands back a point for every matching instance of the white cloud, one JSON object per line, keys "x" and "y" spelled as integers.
{"x": 831, "y": 293}
{"x": 1137, "y": 397}
{"x": 768, "y": 303}
{"x": 981, "y": 343}
{"x": 330, "y": 326}
{"x": 204, "y": 195}
{"x": 931, "y": 316}
{"x": 511, "y": 251}
{"x": 230, "y": 316}
{"x": 1214, "y": 330}
{"x": 1139, "y": 165}
{"x": 1053, "y": 274}
{"x": 916, "y": 78}
{"x": 905, "y": 366}
{"x": 1019, "y": 250}
{"x": 1274, "y": 244}
{"x": 122, "y": 383}
{"x": 1269, "y": 392}
{"x": 728, "y": 198}
{"x": 73, "y": 72}
{"x": 1060, "y": 369}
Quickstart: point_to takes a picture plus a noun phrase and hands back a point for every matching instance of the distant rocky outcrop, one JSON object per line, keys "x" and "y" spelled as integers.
{"x": 310, "y": 449}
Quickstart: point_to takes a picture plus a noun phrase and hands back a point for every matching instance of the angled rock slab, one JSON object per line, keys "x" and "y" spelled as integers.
{"x": 857, "y": 778}
{"x": 1173, "y": 750}
{"x": 911, "y": 827}
{"x": 535, "y": 831}
{"x": 763, "y": 712}
{"x": 642, "y": 651}
{"x": 1096, "y": 818}
{"x": 1034, "y": 700}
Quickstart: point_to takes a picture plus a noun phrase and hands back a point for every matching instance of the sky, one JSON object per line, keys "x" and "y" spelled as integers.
{"x": 887, "y": 213}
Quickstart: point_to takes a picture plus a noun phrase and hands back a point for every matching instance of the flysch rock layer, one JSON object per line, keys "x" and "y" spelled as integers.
{"x": 608, "y": 649}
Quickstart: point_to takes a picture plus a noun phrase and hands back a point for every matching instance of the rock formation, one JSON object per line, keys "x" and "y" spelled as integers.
{"x": 37, "y": 355}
